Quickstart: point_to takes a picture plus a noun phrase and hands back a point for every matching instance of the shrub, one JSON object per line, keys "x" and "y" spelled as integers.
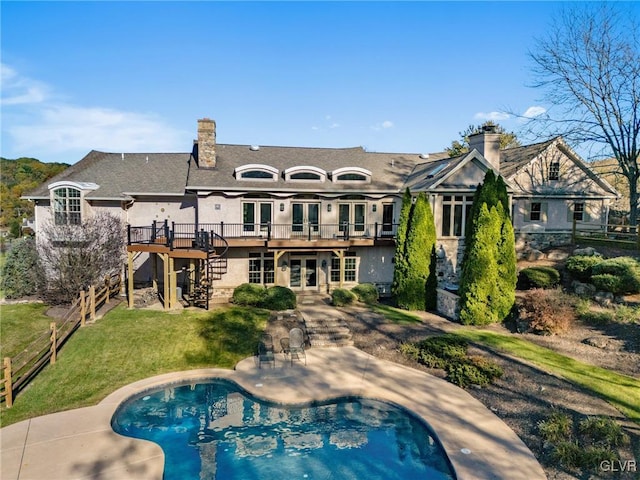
{"x": 366, "y": 292}
{"x": 547, "y": 312}
{"x": 617, "y": 275}
{"x": 21, "y": 274}
{"x": 568, "y": 453}
{"x": 580, "y": 266}
{"x": 603, "y": 431}
{"x": 473, "y": 371}
{"x": 538, "y": 277}
{"x": 447, "y": 347}
{"x": 279, "y": 298}
{"x": 249, "y": 294}
{"x": 556, "y": 428}
{"x": 341, "y": 297}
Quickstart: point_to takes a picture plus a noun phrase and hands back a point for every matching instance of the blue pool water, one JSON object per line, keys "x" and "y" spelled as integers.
{"x": 216, "y": 430}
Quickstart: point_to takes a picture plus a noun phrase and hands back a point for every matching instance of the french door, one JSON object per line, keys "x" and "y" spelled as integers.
{"x": 304, "y": 273}
{"x": 305, "y": 218}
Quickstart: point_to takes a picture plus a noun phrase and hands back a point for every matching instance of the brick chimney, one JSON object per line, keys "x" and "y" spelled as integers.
{"x": 206, "y": 143}
{"x": 487, "y": 142}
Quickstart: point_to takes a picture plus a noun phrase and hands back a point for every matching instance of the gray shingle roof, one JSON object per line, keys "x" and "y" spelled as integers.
{"x": 511, "y": 159}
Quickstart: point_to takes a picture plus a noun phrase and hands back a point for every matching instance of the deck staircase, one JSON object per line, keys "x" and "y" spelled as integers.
{"x": 197, "y": 293}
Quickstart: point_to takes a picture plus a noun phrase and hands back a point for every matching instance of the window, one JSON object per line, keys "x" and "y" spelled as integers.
{"x": 249, "y": 212}
{"x": 554, "y": 171}
{"x": 536, "y": 210}
{"x": 455, "y": 211}
{"x": 66, "y": 206}
{"x": 351, "y": 174}
{"x": 305, "y": 174}
{"x": 578, "y": 212}
{"x": 349, "y": 267}
{"x": 256, "y": 172}
{"x": 261, "y": 268}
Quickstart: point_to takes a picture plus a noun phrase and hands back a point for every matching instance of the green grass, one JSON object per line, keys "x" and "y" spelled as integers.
{"x": 129, "y": 345}
{"x": 395, "y": 315}
{"x": 21, "y": 324}
{"x": 621, "y": 391}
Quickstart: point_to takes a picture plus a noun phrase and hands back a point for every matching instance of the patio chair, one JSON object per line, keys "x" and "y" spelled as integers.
{"x": 265, "y": 351}
{"x": 296, "y": 345}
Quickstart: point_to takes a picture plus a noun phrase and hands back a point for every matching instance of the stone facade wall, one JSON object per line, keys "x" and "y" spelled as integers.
{"x": 530, "y": 241}
{"x": 448, "y": 304}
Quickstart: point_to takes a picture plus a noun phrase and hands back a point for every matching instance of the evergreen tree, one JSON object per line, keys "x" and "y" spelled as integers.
{"x": 21, "y": 272}
{"x": 421, "y": 238}
{"x": 399, "y": 259}
{"x": 479, "y": 289}
{"x": 507, "y": 266}
{"x": 431, "y": 300}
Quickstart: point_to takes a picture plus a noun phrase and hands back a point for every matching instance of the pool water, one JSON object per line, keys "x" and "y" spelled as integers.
{"x": 215, "y": 430}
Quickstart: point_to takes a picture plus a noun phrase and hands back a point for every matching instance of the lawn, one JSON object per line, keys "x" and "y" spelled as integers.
{"x": 621, "y": 391}
{"x": 129, "y": 345}
{"x": 21, "y": 323}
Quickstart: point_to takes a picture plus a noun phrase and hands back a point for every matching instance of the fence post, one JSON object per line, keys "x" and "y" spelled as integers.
{"x": 8, "y": 383}
{"x": 573, "y": 231}
{"x": 92, "y": 302}
{"x": 83, "y": 308}
{"x": 107, "y": 289}
{"x": 54, "y": 341}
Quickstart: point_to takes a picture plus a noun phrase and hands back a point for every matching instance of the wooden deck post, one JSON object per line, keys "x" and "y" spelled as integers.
{"x": 130, "y": 278}
{"x": 173, "y": 284}
{"x": 8, "y": 383}
{"x": 165, "y": 278}
{"x": 54, "y": 342}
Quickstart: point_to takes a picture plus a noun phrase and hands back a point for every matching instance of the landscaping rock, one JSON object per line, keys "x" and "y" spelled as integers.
{"x": 603, "y": 298}
{"x": 589, "y": 251}
{"x": 598, "y": 342}
{"x": 583, "y": 289}
{"x": 534, "y": 255}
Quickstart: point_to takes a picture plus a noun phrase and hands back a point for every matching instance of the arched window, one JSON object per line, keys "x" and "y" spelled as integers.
{"x": 351, "y": 175}
{"x": 256, "y": 172}
{"x": 66, "y": 206}
{"x": 305, "y": 174}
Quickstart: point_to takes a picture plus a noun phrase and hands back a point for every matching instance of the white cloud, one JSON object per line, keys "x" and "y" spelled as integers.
{"x": 18, "y": 90}
{"x": 63, "y": 128}
{"x": 37, "y": 125}
{"x": 493, "y": 116}
{"x": 380, "y": 126}
{"x": 334, "y": 125}
{"x": 534, "y": 111}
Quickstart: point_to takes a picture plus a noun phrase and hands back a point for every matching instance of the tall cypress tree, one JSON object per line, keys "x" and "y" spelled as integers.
{"x": 431, "y": 299}
{"x": 399, "y": 258}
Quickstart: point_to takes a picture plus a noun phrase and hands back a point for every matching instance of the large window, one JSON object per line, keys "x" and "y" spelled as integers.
{"x": 455, "y": 210}
{"x": 349, "y": 267}
{"x": 254, "y": 213}
{"x": 261, "y": 268}
{"x": 66, "y": 206}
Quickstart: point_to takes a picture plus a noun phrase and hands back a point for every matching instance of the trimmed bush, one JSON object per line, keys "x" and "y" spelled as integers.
{"x": 249, "y": 295}
{"x": 538, "y": 277}
{"x": 366, "y": 292}
{"x": 580, "y": 266}
{"x": 617, "y": 275}
{"x": 341, "y": 297}
{"x": 279, "y": 298}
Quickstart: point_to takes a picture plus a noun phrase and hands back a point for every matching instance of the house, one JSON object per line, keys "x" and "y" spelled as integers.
{"x": 201, "y": 223}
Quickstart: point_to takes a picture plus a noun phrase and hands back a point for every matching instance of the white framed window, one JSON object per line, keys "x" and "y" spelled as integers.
{"x": 578, "y": 212}
{"x": 351, "y": 215}
{"x": 67, "y": 206}
{"x": 554, "y": 171}
{"x": 304, "y": 174}
{"x": 350, "y": 269}
{"x": 537, "y": 212}
{"x": 455, "y": 211}
{"x": 255, "y": 171}
{"x": 261, "y": 268}
{"x": 351, "y": 175}
{"x": 256, "y": 215}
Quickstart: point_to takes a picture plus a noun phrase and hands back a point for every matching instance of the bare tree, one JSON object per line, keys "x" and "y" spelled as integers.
{"x": 77, "y": 256}
{"x": 589, "y": 69}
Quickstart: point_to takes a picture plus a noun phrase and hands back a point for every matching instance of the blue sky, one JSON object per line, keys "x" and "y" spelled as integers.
{"x": 135, "y": 77}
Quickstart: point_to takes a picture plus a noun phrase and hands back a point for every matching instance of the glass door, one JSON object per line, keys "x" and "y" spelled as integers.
{"x": 305, "y": 219}
{"x": 304, "y": 273}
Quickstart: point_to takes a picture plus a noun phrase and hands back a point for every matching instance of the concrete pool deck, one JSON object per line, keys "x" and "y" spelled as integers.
{"x": 80, "y": 444}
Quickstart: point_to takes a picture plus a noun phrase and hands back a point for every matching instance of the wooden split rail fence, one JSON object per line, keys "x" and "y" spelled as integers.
{"x": 18, "y": 371}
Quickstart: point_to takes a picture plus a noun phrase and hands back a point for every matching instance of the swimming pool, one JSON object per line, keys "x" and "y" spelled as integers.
{"x": 216, "y": 430}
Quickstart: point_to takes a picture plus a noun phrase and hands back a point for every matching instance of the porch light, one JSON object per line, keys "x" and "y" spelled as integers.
{"x": 374, "y": 207}
{"x": 282, "y": 207}
{"x": 284, "y": 265}
{"x": 328, "y": 207}
{"x": 441, "y": 253}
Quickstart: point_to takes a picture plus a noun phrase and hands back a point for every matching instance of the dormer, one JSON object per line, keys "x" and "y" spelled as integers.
{"x": 351, "y": 175}
{"x": 256, "y": 172}
{"x": 305, "y": 174}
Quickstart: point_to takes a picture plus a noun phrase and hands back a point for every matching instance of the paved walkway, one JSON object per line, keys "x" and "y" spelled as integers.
{"x": 80, "y": 444}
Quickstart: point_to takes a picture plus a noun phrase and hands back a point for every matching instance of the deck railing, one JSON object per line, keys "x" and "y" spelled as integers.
{"x": 210, "y": 235}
